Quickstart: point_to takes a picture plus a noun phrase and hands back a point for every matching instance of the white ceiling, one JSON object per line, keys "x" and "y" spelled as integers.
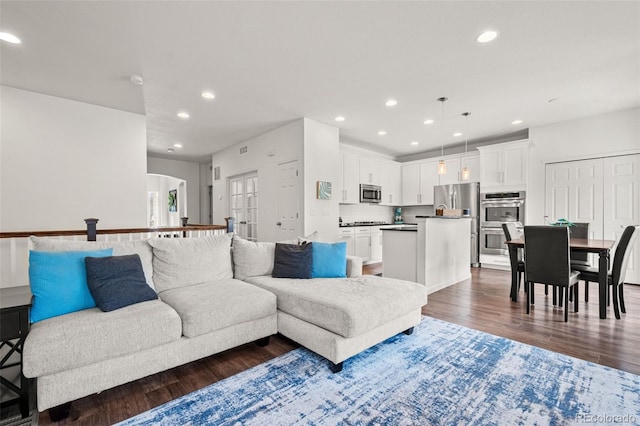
{"x": 270, "y": 63}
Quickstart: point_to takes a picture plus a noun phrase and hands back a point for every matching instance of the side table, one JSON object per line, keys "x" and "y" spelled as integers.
{"x": 14, "y": 326}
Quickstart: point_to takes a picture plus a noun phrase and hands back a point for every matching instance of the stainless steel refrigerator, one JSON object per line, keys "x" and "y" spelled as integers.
{"x": 462, "y": 196}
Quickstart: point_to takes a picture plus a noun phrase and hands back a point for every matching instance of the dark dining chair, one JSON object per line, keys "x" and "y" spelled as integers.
{"x": 511, "y": 232}
{"x": 580, "y": 260}
{"x": 546, "y": 250}
{"x": 615, "y": 278}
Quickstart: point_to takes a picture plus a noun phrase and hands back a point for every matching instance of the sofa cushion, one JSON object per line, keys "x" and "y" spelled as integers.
{"x": 58, "y": 282}
{"x": 120, "y": 248}
{"x": 211, "y": 306}
{"x": 345, "y": 306}
{"x": 180, "y": 262}
{"x": 89, "y": 336}
{"x": 117, "y": 281}
{"x": 252, "y": 259}
{"x": 292, "y": 260}
{"x": 329, "y": 260}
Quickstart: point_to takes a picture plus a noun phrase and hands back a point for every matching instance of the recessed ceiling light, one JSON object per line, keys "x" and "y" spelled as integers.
{"x": 339, "y": 118}
{"x": 414, "y": 143}
{"x": 208, "y": 95}
{"x": 170, "y": 150}
{"x": 382, "y": 133}
{"x": 391, "y": 102}
{"x": 487, "y": 36}
{"x": 177, "y": 145}
{"x": 428, "y": 121}
{"x": 456, "y": 134}
{"x": 9, "y": 38}
{"x": 183, "y": 114}
{"x": 516, "y": 122}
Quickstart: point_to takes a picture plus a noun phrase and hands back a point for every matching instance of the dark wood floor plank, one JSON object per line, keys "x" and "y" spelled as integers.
{"x": 481, "y": 303}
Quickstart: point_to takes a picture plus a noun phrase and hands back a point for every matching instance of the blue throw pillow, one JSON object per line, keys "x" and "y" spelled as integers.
{"x": 292, "y": 261}
{"x": 58, "y": 282}
{"x": 117, "y": 281}
{"x": 329, "y": 260}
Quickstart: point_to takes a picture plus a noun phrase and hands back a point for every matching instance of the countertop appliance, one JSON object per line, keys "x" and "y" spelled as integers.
{"x": 464, "y": 196}
{"x": 370, "y": 193}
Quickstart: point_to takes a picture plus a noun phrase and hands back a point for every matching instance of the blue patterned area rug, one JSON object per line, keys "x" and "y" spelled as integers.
{"x": 442, "y": 374}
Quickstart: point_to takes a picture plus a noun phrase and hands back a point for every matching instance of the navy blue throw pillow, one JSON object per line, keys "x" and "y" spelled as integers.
{"x": 293, "y": 261}
{"x": 117, "y": 281}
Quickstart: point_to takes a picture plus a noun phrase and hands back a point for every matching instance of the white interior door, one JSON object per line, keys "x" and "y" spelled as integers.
{"x": 622, "y": 204}
{"x": 243, "y": 204}
{"x": 574, "y": 192}
{"x": 288, "y": 224}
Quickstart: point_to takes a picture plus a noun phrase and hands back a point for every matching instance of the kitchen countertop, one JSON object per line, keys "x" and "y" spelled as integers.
{"x": 351, "y": 225}
{"x": 410, "y": 228}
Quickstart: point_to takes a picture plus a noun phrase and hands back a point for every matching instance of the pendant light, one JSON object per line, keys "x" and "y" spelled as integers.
{"x": 465, "y": 170}
{"x": 442, "y": 166}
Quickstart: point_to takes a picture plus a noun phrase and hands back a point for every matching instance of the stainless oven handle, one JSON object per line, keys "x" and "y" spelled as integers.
{"x": 502, "y": 203}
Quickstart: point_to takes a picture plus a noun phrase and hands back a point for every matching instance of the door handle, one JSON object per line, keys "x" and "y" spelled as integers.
{"x": 243, "y": 222}
{"x": 278, "y": 223}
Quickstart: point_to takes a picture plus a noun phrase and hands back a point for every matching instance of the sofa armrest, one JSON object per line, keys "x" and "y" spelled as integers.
{"x": 354, "y": 266}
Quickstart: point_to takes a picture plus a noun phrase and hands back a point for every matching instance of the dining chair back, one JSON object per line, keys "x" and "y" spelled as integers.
{"x": 511, "y": 232}
{"x": 616, "y": 278}
{"x": 579, "y": 259}
{"x": 622, "y": 254}
{"x": 548, "y": 261}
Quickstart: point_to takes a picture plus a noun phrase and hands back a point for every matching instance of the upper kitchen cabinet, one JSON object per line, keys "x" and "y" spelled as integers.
{"x": 369, "y": 171}
{"x": 391, "y": 182}
{"x": 350, "y": 173}
{"x": 504, "y": 166}
{"x": 455, "y": 166}
{"x": 418, "y": 180}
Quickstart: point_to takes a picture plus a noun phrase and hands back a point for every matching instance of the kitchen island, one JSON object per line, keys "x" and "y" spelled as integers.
{"x": 435, "y": 252}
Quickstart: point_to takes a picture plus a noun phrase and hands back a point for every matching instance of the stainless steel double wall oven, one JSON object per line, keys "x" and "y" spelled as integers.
{"x": 497, "y": 208}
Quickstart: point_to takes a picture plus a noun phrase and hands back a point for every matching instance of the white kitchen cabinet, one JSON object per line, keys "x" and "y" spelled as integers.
{"x": 369, "y": 171}
{"x": 348, "y": 235}
{"x": 428, "y": 179}
{"x": 504, "y": 166}
{"x": 472, "y": 162}
{"x": 362, "y": 242}
{"x": 376, "y": 244}
{"x": 350, "y": 189}
{"x": 411, "y": 184}
{"x": 391, "y": 182}
{"x": 418, "y": 180}
{"x": 453, "y": 171}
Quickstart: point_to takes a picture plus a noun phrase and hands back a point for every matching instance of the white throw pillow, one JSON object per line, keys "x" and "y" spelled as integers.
{"x": 180, "y": 262}
{"x": 120, "y": 248}
{"x": 252, "y": 259}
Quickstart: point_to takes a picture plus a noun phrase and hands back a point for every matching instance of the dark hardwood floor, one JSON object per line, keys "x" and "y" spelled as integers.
{"x": 481, "y": 303}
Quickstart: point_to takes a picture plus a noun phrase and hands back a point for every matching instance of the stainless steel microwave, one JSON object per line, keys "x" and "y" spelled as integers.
{"x": 370, "y": 193}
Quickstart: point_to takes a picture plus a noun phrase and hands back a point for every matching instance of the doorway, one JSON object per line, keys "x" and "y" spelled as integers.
{"x": 243, "y": 204}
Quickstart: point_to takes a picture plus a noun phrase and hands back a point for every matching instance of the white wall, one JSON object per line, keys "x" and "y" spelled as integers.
{"x": 162, "y": 185}
{"x": 187, "y": 171}
{"x": 321, "y": 163}
{"x": 599, "y": 136}
{"x": 264, "y": 153}
{"x": 62, "y": 161}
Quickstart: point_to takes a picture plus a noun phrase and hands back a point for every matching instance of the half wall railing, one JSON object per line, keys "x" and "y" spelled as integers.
{"x": 15, "y": 246}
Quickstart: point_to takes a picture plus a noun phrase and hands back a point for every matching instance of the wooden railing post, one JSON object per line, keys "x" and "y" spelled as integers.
{"x": 184, "y": 221}
{"x": 91, "y": 229}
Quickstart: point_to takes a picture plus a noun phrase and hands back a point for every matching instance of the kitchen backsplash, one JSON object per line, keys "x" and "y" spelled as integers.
{"x": 409, "y": 213}
{"x": 366, "y": 212}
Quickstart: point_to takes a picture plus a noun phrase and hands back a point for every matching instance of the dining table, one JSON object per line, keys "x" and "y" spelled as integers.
{"x": 601, "y": 247}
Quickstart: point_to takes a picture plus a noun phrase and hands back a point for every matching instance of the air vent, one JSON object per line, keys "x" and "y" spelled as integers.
{"x": 216, "y": 173}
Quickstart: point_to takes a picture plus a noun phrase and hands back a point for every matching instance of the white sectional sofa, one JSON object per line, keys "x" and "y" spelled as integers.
{"x": 205, "y": 307}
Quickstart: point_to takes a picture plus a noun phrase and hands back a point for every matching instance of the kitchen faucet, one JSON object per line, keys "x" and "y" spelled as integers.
{"x": 442, "y": 205}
